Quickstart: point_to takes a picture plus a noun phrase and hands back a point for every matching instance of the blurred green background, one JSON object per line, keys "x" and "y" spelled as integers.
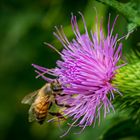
{"x": 24, "y": 26}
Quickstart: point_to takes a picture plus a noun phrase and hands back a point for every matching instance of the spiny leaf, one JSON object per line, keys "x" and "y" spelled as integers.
{"x": 130, "y": 10}
{"x": 128, "y": 82}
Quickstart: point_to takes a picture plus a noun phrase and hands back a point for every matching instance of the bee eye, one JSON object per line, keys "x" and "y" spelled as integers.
{"x": 56, "y": 88}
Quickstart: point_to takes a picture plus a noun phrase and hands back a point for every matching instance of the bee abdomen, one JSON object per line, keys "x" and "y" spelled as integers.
{"x": 41, "y": 111}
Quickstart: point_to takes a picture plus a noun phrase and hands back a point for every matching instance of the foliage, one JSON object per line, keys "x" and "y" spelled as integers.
{"x": 130, "y": 10}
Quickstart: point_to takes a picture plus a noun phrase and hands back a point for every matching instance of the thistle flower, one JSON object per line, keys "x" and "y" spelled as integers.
{"x": 87, "y": 67}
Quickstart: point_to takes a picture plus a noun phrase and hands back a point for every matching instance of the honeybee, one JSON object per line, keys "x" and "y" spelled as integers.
{"x": 42, "y": 100}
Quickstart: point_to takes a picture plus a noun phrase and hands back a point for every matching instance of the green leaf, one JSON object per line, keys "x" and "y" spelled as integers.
{"x": 131, "y": 11}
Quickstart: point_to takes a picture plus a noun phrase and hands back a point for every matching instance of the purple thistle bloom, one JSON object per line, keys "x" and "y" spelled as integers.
{"x": 87, "y": 67}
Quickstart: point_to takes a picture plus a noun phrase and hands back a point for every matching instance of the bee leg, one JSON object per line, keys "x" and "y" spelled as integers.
{"x": 50, "y": 105}
{"x": 62, "y": 105}
{"x": 57, "y": 114}
{"x": 59, "y": 118}
{"x": 60, "y": 94}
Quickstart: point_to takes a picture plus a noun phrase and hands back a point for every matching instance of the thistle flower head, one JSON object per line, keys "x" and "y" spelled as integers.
{"x": 87, "y": 67}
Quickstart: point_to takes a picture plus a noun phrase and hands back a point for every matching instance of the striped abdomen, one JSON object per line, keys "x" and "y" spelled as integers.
{"x": 41, "y": 109}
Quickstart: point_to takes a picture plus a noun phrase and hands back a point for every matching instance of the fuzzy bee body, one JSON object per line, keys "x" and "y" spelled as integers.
{"x": 41, "y": 101}
{"x": 41, "y": 107}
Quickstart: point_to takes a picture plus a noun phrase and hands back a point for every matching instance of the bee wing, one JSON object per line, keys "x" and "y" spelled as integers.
{"x": 29, "y": 99}
{"x": 31, "y": 114}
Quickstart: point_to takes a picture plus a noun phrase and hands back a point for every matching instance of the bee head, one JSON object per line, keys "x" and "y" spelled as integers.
{"x": 56, "y": 86}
